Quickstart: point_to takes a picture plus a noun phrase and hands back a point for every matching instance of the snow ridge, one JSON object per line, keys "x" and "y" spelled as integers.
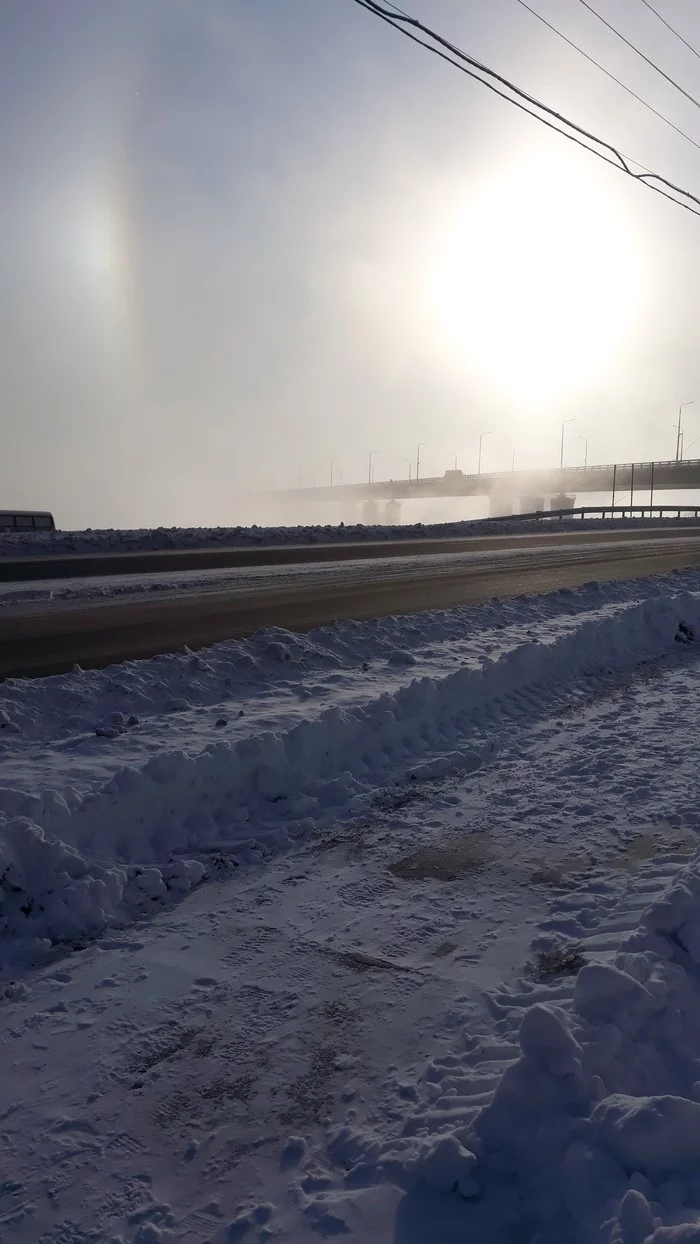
{"x": 69, "y": 864}
{"x": 43, "y": 543}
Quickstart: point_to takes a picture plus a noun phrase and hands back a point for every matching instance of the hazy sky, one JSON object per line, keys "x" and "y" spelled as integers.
{"x": 245, "y": 237}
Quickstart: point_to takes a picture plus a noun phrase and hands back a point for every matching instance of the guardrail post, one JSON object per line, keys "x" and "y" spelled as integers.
{"x": 651, "y": 493}
{"x": 613, "y": 491}
{"x": 631, "y": 489}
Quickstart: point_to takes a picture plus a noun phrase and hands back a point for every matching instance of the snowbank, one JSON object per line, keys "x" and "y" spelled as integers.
{"x": 50, "y": 893}
{"x": 72, "y": 863}
{"x": 28, "y": 543}
{"x": 593, "y": 1134}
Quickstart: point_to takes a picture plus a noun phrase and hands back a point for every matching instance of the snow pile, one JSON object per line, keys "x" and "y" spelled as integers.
{"x": 41, "y": 543}
{"x": 72, "y": 862}
{"x": 49, "y": 893}
{"x": 593, "y": 1134}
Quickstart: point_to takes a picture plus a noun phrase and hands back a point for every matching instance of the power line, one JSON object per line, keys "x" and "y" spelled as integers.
{"x": 671, "y": 28}
{"x": 374, "y": 7}
{"x": 607, "y": 72}
{"x": 614, "y": 157}
{"x": 396, "y": 8}
{"x": 653, "y": 64}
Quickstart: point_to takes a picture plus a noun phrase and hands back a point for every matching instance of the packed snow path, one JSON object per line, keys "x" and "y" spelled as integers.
{"x": 363, "y": 1034}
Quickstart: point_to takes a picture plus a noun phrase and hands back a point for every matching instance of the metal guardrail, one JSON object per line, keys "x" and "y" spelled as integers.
{"x": 591, "y": 468}
{"x": 603, "y": 511}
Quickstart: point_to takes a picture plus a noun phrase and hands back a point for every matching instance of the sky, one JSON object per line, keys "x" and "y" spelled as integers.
{"x": 243, "y": 240}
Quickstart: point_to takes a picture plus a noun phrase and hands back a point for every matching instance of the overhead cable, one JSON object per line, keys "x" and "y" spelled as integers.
{"x": 639, "y": 52}
{"x": 607, "y": 72}
{"x": 573, "y": 132}
{"x": 671, "y": 28}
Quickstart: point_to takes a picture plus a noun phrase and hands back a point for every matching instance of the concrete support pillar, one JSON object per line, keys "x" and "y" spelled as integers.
{"x": 370, "y": 513}
{"x": 392, "y": 513}
{"x": 530, "y": 504}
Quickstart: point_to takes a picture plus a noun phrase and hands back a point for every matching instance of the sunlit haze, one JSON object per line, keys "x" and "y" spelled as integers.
{"x": 539, "y": 281}
{"x": 244, "y": 241}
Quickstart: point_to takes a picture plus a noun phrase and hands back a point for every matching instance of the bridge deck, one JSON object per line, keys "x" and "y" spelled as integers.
{"x": 662, "y": 476}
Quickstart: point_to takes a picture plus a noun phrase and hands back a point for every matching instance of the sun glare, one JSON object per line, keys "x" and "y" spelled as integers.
{"x": 84, "y": 227}
{"x": 95, "y": 243}
{"x": 536, "y": 281}
{"x": 88, "y": 233}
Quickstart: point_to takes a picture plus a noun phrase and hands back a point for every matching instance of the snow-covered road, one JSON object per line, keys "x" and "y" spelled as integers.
{"x": 340, "y": 924}
{"x": 172, "y": 585}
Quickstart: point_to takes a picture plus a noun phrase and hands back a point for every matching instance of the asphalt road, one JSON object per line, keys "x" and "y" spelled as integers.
{"x": 56, "y": 636}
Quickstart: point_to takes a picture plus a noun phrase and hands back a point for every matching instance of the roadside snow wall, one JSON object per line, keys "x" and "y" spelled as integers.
{"x": 42, "y": 544}
{"x": 69, "y": 865}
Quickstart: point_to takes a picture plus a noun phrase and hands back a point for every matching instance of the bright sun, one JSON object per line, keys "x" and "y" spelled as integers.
{"x": 537, "y": 280}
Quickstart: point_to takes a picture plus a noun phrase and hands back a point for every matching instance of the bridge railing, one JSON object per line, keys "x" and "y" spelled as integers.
{"x": 590, "y": 469}
{"x": 603, "y": 511}
{"x": 526, "y": 479}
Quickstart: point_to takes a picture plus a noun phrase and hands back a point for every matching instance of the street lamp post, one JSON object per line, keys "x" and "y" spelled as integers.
{"x": 585, "y": 449}
{"x": 372, "y": 452}
{"x": 409, "y": 464}
{"x": 481, "y": 441}
{"x": 561, "y": 456}
{"x": 679, "y": 428}
{"x": 422, "y": 444}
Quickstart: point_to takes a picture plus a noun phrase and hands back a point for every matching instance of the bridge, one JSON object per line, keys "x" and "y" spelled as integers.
{"x": 507, "y": 490}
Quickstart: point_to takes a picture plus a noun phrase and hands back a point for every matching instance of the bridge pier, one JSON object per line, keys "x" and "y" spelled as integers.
{"x": 531, "y": 503}
{"x": 392, "y": 513}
